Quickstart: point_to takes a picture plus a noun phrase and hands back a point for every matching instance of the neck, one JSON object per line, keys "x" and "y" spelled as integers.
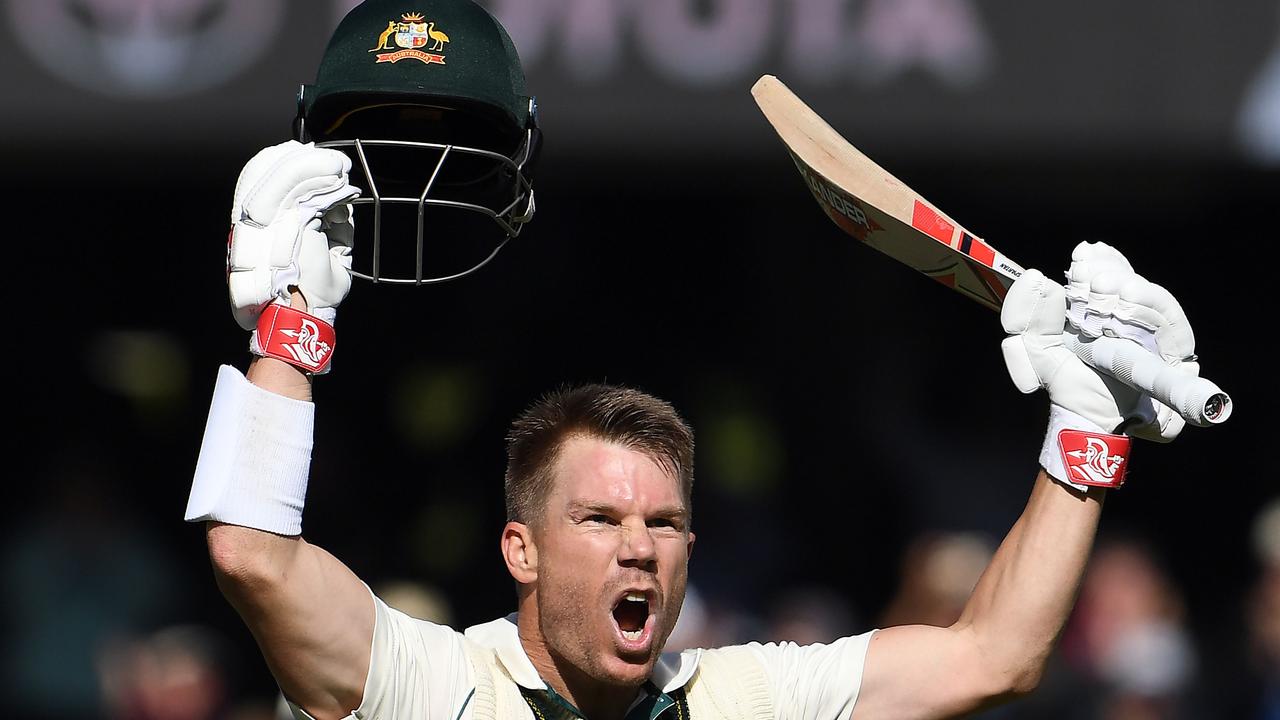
{"x": 593, "y": 698}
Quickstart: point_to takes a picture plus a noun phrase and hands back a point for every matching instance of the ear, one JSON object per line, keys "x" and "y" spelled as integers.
{"x": 688, "y": 549}
{"x": 520, "y": 552}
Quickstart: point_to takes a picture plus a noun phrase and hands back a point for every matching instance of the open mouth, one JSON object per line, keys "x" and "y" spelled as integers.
{"x": 631, "y": 614}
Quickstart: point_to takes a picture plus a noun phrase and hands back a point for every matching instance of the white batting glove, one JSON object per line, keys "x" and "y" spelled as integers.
{"x": 1089, "y": 408}
{"x": 291, "y": 227}
{"x": 1105, "y": 297}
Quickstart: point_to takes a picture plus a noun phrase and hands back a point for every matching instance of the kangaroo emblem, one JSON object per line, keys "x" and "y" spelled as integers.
{"x": 385, "y": 37}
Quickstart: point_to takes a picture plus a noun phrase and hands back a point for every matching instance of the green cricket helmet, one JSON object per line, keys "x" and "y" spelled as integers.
{"x": 428, "y": 97}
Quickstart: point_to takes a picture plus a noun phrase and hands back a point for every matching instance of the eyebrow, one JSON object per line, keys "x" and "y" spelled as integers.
{"x": 595, "y": 506}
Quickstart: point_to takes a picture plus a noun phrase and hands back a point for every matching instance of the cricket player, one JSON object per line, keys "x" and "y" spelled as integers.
{"x": 599, "y": 478}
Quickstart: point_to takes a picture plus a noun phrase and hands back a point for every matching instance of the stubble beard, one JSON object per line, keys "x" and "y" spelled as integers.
{"x": 577, "y": 633}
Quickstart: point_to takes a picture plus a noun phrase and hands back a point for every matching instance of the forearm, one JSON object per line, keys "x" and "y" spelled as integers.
{"x": 1021, "y": 603}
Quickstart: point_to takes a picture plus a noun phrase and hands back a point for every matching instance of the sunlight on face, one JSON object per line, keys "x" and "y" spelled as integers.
{"x": 613, "y": 549}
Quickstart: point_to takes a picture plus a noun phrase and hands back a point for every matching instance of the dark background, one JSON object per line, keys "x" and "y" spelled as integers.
{"x": 843, "y": 404}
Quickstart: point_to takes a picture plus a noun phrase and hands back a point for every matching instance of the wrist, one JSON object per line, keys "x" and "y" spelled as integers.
{"x": 1080, "y": 453}
{"x": 297, "y": 300}
{"x": 280, "y": 377}
{"x": 287, "y": 331}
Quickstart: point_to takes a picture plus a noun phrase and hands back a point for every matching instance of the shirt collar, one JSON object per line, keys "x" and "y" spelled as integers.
{"x": 672, "y": 671}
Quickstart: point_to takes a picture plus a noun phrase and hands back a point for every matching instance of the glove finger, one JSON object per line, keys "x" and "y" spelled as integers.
{"x": 324, "y": 276}
{"x": 320, "y": 198}
{"x": 258, "y": 197}
{"x": 284, "y": 246}
{"x": 1034, "y": 314}
{"x": 253, "y": 263}
{"x": 1134, "y": 321}
{"x": 286, "y": 242}
{"x": 1091, "y": 259}
{"x": 1154, "y": 309}
{"x": 1090, "y": 262}
{"x": 254, "y": 170}
{"x": 302, "y": 173}
{"x": 1170, "y": 430}
{"x": 1097, "y": 256}
{"x": 1017, "y": 360}
{"x": 1092, "y": 313}
{"x": 291, "y": 237}
{"x": 1166, "y": 425}
{"x": 1035, "y": 305}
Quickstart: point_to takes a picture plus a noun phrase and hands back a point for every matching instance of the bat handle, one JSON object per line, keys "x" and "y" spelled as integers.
{"x": 1198, "y": 400}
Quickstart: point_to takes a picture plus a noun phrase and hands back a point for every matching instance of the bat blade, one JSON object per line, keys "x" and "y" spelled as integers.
{"x": 870, "y": 204}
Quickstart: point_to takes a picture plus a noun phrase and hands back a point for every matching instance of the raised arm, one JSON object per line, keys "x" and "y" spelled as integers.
{"x": 998, "y": 648}
{"x": 311, "y": 616}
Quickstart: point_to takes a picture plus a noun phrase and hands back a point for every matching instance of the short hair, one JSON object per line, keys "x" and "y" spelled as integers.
{"x": 622, "y": 415}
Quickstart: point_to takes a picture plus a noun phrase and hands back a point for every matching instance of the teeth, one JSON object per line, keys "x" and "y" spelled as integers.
{"x": 632, "y": 634}
{"x": 635, "y": 597}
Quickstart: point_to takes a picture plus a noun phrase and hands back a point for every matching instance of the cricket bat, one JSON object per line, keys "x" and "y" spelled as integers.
{"x": 873, "y": 206}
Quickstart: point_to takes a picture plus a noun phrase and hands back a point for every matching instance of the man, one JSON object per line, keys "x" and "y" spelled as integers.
{"x": 599, "y": 478}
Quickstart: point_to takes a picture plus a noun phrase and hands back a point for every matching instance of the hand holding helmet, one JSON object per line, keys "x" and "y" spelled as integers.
{"x": 291, "y": 228}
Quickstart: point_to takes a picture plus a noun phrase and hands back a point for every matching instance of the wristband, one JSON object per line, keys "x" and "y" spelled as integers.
{"x": 298, "y": 338}
{"x": 1079, "y": 453}
{"x": 254, "y": 459}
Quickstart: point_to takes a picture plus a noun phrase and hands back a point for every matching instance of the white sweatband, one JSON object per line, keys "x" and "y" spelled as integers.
{"x": 254, "y": 459}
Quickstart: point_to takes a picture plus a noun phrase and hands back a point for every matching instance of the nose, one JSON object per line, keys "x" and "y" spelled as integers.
{"x": 637, "y": 549}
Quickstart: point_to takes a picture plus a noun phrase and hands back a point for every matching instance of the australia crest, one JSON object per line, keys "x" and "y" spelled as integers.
{"x": 415, "y": 36}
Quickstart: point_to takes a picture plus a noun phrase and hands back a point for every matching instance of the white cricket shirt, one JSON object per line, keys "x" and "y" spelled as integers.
{"x": 419, "y": 670}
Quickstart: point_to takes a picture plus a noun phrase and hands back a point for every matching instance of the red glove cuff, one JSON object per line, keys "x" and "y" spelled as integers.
{"x": 295, "y": 337}
{"x": 1096, "y": 459}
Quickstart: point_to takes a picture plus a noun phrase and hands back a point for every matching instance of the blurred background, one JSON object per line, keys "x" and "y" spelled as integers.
{"x": 861, "y": 450}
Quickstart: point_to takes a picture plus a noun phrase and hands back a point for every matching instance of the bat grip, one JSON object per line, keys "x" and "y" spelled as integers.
{"x": 1198, "y": 400}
